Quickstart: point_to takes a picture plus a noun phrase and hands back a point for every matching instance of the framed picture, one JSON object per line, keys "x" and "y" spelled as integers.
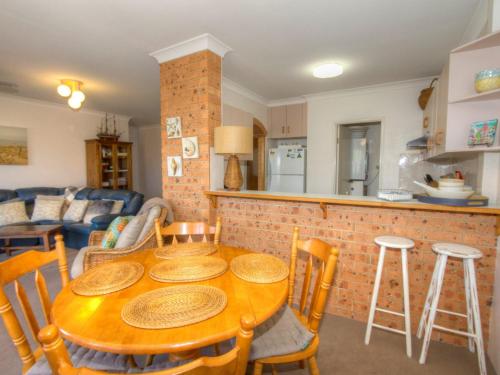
{"x": 190, "y": 148}
{"x": 174, "y": 166}
{"x": 174, "y": 127}
{"x": 13, "y": 146}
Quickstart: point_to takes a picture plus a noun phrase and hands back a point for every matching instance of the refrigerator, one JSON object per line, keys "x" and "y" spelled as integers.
{"x": 287, "y": 169}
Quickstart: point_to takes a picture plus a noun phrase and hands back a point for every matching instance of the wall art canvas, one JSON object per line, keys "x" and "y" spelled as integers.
{"x": 174, "y": 127}
{"x": 190, "y": 148}
{"x": 174, "y": 166}
{"x": 482, "y": 133}
{"x": 13, "y": 146}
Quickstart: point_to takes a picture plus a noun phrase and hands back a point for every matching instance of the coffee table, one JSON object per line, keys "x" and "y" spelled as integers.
{"x": 28, "y": 231}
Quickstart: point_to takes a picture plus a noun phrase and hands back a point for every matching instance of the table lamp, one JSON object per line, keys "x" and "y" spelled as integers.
{"x": 233, "y": 140}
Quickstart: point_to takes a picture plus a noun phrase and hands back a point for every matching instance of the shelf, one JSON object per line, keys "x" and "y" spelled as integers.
{"x": 484, "y": 96}
{"x": 488, "y": 41}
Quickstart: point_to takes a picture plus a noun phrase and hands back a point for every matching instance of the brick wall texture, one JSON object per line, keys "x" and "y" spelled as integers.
{"x": 267, "y": 226}
{"x": 190, "y": 87}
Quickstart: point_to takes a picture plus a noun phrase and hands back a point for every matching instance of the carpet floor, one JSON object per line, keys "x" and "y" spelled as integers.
{"x": 342, "y": 350}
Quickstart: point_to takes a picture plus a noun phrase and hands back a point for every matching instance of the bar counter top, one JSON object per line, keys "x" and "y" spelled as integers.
{"x": 324, "y": 199}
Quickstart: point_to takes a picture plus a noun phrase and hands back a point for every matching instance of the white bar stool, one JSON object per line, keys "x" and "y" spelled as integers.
{"x": 474, "y": 331}
{"x": 402, "y": 244}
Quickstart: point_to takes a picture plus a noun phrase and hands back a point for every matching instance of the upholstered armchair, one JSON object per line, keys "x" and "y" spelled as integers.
{"x": 94, "y": 257}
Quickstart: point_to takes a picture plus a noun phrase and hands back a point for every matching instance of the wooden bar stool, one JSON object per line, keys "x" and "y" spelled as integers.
{"x": 474, "y": 331}
{"x": 402, "y": 244}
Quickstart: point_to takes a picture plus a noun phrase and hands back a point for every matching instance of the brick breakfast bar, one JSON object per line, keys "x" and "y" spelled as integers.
{"x": 264, "y": 221}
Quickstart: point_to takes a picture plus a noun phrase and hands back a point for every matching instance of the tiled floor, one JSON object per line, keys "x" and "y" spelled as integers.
{"x": 342, "y": 351}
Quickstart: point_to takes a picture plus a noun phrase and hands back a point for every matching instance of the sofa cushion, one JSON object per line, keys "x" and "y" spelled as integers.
{"x": 97, "y": 208}
{"x": 78, "y": 227}
{"x": 153, "y": 214}
{"x": 76, "y": 210}
{"x": 7, "y": 195}
{"x": 131, "y": 232}
{"x": 47, "y": 222}
{"x": 281, "y": 334}
{"x": 47, "y": 208}
{"x": 117, "y": 206}
{"x": 13, "y": 212}
{"x": 114, "y": 230}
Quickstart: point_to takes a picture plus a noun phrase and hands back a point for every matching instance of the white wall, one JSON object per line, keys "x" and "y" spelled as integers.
{"x": 394, "y": 105}
{"x": 147, "y": 175}
{"x": 56, "y": 147}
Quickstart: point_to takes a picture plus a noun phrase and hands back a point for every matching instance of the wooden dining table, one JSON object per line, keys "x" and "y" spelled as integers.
{"x": 95, "y": 322}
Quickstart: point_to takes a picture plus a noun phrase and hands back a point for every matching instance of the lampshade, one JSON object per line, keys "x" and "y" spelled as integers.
{"x": 233, "y": 140}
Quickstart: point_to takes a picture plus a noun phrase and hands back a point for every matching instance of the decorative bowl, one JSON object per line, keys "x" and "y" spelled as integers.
{"x": 487, "y": 80}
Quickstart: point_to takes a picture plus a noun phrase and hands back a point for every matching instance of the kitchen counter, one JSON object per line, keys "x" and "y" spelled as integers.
{"x": 349, "y": 200}
{"x": 264, "y": 222}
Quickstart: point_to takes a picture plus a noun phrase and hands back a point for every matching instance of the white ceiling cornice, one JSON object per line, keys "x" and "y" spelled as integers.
{"x": 243, "y": 91}
{"x": 198, "y": 43}
{"x": 286, "y": 101}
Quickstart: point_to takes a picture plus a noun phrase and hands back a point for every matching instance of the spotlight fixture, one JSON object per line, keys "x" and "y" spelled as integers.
{"x": 328, "y": 70}
{"x": 72, "y": 89}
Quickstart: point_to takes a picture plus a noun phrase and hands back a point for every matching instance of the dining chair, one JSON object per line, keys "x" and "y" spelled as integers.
{"x": 234, "y": 362}
{"x": 33, "y": 361}
{"x": 188, "y": 229}
{"x": 292, "y": 334}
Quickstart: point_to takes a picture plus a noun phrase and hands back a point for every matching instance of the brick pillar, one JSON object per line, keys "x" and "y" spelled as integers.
{"x": 190, "y": 87}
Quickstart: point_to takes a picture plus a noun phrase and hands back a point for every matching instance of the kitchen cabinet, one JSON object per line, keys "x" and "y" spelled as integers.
{"x": 288, "y": 121}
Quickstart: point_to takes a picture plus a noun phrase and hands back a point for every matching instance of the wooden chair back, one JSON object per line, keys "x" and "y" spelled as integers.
{"x": 10, "y": 271}
{"x": 233, "y": 362}
{"x": 188, "y": 229}
{"x": 327, "y": 256}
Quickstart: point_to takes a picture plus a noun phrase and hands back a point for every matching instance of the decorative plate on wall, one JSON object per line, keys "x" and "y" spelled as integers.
{"x": 190, "y": 148}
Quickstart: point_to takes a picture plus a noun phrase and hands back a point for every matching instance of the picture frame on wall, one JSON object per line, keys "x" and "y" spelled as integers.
{"x": 190, "y": 148}
{"x": 13, "y": 145}
{"x": 174, "y": 127}
{"x": 174, "y": 166}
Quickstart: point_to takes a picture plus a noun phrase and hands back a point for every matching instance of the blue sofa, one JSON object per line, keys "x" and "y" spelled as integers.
{"x": 76, "y": 234}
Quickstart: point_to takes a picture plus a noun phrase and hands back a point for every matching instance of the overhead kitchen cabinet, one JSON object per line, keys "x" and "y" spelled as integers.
{"x": 288, "y": 121}
{"x": 454, "y": 104}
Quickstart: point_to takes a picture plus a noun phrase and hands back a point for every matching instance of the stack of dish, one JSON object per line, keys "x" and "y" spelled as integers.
{"x": 452, "y": 188}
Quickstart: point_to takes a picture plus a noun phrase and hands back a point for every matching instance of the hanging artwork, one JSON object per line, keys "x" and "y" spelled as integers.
{"x": 13, "y": 146}
{"x": 174, "y": 127}
{"x": 190, "y": 148}
{"x": 174, "y": 166}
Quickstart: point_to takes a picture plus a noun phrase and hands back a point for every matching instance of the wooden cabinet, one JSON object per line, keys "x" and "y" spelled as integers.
{"x": 109, "y": 164}
{"x": 288, "y": 121}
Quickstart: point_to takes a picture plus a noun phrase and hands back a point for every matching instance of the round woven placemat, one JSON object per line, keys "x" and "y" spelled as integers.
{"x": 259, "y": 268}
{"x": 185, "y": 249}
{"x": 107, "y": 278}
{"x": 174, "y": 306}
{"x": 190, "y": 268}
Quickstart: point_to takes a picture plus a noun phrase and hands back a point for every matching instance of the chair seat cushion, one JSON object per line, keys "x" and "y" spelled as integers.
{"x": 281, "y": 334}
{"x": 77, "y": 266}
{"x": 83, "y": 357}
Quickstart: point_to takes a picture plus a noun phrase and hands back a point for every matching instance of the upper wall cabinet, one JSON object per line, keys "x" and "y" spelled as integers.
{"x": 455, "y": 105}
{"x": 288, "y": 121}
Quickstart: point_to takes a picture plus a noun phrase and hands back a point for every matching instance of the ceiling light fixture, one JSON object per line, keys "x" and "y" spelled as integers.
{"x": 71, "y": 89}
{"x": 328, "y": 70}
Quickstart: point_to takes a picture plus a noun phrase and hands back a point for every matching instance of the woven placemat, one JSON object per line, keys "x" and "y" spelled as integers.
{"x": 185, "y": 249}
{"x": 190, "y": 268}
{"x": 174, "y": 306}
{"x": 107, "y": 278}
{"x": 259, "y": 268}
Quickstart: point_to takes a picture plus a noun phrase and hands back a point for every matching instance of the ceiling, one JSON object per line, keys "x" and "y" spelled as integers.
{"x": 106, "y": 44}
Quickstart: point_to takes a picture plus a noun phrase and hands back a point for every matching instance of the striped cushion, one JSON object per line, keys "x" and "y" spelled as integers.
{"x": 281, "y": 334}
{"x": 114, "y": 230}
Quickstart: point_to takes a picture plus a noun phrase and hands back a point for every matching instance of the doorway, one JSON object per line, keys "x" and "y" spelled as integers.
{"x": 256, "y": 168}
{"x": 358, "y": 158}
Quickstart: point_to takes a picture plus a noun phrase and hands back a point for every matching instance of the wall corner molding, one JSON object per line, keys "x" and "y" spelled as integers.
{"x": 187, "y": 47}
{"x": 243, "y": 91}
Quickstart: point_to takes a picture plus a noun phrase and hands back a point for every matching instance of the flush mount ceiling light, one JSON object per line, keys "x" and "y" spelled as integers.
{"x": 71, "y": 89}
{"x": 328, "y": 70}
